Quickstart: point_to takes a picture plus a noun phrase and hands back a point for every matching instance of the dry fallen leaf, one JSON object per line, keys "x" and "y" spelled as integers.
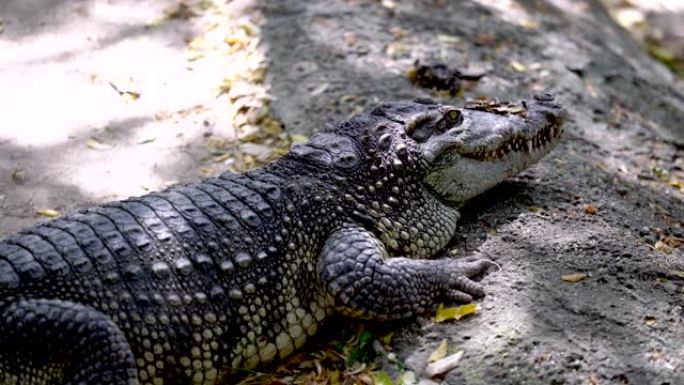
{"x": 440, "y": 352}
{"x": 449, "y": 39}
{"x": 455, "y": 313}
{"x": 517, "y": 66}
{"x": 387, "y": 339}
{"x": 50, "y": 213}
{"x": 127, "y": 95}
{"x": 650, "y": 320}
{"x": 663, "y": 247}
{"x": 19, "y": 176}
{"x": 444, "y": 365}
{"x": 297, "y": 138}
{"x": 677, "y": 273}
{"x": 529, "y": 24}
{"x": 671, "y": 241}
{"x": 408, "y": 377}
{"x": 97, "y": 145}
{"x": 576, "y": 277}
{"x": 593, "y": 380}
{"x": 147, "y": 140}
{"x": 382, "y": 378}
{"x": 389, "y": 4}
{"x": 676, "y": 183}
{"x": 590, "y": 209}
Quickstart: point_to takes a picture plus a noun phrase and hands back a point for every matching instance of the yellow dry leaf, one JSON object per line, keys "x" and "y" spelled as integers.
{"x": 382, "y": 378}
{"x": 676, "y": 183}
{"x": 50, "y": 213}
{"x": 396, "y": 47}
{"x": 590, "y": 209}
{"x": 593, "y": 380}
{"x": 673, "y": 242}
{"x": 663, "y": 247}
{"x": 387, "y": 339}
{"x": 130, "y": 96}
{"x": 440, "y": 352}
{"x": 389, "y": 4}
{"x": 455, "y": 313}
{"x": 297, "y": 138}
{"x": 147, "y": 140}
{"x": 407, "y": 377}
{"x": 519, "y": 67}
{"x": 529, "y": 24}
{"x": 449, "y": 39}
{"x": 97, "y": 145}
{"x": 650, "y": 320}
{"x": 677, "y": 273}
{"x": 334, "y": 377}
{"x": 660, "y": 172}
{"x": 576, "y": 277}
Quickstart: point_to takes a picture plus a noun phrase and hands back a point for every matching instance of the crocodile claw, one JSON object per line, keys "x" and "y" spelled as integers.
{"x": 461, "y": 288}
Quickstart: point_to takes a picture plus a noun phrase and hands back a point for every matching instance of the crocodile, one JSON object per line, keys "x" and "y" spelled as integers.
{"x": 180, "y": 286}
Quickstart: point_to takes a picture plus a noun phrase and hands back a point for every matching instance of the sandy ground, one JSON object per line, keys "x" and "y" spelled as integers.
{"x": 106, "y": 99}
{"x": 109, "y": 99}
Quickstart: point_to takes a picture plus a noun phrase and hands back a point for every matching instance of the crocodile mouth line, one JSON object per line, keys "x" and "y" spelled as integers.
{"x": 517, "y": 144}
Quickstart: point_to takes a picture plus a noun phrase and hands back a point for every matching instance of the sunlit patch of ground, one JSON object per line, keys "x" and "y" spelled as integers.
{"x": 658, "y": 25}
{"x": 115, "y": 99}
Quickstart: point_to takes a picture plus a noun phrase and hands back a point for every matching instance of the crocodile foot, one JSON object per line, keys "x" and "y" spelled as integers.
{"x": 460, "y": 286}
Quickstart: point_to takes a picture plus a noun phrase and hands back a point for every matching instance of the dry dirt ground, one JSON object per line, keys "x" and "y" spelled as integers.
{"x": 106, "y": 99}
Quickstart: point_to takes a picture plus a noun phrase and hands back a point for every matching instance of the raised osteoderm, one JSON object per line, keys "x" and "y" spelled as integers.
{"x": 176, "y": 287}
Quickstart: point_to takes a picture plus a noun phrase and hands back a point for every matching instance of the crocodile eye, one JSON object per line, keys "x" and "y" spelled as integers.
{"x": 434, "y": 123}
{"x": 454, "y": 117}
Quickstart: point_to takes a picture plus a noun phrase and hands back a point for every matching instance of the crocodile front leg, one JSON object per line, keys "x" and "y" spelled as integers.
{"x": 356, "y": 270}
{"x": 59, "y": 342}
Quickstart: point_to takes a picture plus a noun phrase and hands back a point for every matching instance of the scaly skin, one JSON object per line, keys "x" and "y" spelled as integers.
{"x": 178, "y": 286}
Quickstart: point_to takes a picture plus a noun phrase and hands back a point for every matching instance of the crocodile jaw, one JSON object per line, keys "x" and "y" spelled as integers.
{"x": 489, "y": 148}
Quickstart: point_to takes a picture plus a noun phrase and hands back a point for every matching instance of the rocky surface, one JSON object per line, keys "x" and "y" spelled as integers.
{"x": 606, "y": 203}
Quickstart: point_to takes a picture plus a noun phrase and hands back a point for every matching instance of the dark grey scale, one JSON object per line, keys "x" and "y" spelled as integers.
{"x": 113, "y": 256}
{"x": 150, "y": 221}
{"x": 45, "y": 254}
{"x": 130, "y": 227}
{"x": 258, "y": 197}
{"x": 217, "y": 189}
{"x": 211, "y": 208}
{"x": 22, "y": 261}
{"x": 269, "y": 191}
{"x": 163, "y": 283}
{"x": 101, "y": 258}
{"x": 107, "y": 231}
{"x": 191, "y": 212}
{"x": 67, "y": 246}
{"x": 249, "y": 214}
{"x": 270, "y": 182}
{"x": 190, "y": 265}
{"x": 9, "y": 277}
{"x": 166, "y": 212}
{"x": 38, "y": 333}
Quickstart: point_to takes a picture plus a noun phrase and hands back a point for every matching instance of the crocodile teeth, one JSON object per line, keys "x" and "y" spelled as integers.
{"x": 529, "y": 145}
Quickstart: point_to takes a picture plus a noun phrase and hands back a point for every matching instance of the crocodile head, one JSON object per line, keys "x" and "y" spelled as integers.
{"x": 458, "y": 152}
{"x": 468, "y": 150}
{"x": 471, "y": 149}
